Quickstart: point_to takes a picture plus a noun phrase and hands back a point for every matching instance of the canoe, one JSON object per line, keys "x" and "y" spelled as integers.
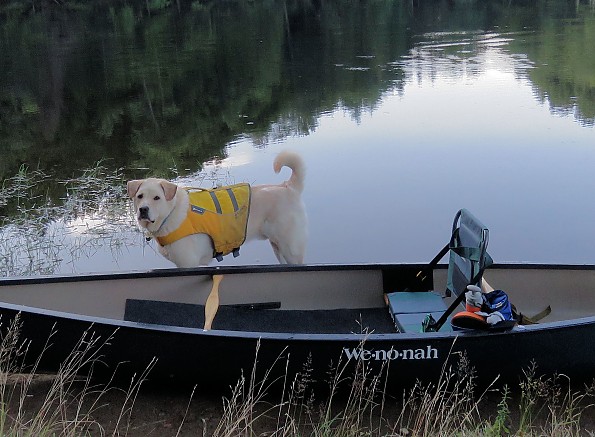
{"x": 282, "y": 317}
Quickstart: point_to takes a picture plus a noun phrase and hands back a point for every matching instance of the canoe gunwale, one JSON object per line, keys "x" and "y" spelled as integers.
{"x": 203, "y": 271}
{"x": 269, "y": 268}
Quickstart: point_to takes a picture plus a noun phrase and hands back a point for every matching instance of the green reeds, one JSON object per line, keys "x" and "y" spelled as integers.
{"x": 49, "y": 224}
{"x": 39, "y": 233}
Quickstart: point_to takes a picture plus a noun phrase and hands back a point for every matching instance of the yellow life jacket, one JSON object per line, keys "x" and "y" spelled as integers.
{"x": 221, "y": 213}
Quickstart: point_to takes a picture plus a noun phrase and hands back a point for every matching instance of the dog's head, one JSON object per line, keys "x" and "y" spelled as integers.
{"x": 153, "y": 201}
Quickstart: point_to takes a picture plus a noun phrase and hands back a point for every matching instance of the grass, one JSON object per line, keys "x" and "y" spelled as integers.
{"x": 40, "y": 234}
{"x": 357, "y": 405}
{"x": 450, "y": 407}
{"x": 353, "y": 404}
{"x": 67, "y": 401}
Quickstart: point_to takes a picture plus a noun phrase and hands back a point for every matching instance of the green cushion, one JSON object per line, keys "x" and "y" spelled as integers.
{"x": 415, "y": 302}
{"x": 409, "y": 309}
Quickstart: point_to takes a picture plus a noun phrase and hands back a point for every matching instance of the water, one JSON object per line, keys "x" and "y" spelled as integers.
{"x": 404, "y": 113}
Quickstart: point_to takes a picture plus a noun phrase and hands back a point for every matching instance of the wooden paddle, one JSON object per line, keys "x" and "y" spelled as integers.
{"x": 212, "y": 304}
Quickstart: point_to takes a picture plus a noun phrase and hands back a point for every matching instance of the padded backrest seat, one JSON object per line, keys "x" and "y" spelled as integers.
{"x": 468, "y": 258}
{"x": 468, "y": 252}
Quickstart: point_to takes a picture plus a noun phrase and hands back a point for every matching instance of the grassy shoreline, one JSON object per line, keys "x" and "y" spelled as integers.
{"x": 72, "y": 403}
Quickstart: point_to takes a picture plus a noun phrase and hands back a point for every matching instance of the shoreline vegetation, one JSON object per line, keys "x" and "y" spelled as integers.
{"x": 40, "y": 231}
{"x": 69, "y": 404}
{"x": 48, "y": 224}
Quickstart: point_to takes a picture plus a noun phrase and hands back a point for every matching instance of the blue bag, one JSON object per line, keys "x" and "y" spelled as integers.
{"x": 497, "y": 301}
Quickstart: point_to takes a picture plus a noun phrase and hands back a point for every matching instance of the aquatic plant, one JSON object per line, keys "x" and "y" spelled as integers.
{"x": 40, "y": 233}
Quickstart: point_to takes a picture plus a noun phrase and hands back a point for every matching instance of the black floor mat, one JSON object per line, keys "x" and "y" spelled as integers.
{"x": 233, "y": 318}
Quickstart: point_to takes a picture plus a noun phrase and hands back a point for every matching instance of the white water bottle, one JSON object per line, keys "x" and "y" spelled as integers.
{"x": 473, "y": 298}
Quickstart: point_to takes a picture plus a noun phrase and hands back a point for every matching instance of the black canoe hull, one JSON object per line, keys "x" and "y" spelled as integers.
{"x": 218, "y": 358}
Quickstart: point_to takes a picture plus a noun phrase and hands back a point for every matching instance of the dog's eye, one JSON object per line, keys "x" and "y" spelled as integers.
{"x": 156, "y": 198}
{"x": 140, "y": 196}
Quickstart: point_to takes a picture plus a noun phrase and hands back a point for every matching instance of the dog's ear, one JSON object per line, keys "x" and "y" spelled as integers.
{"x": 169, "y": 189}
{"x": 133, "y": 186}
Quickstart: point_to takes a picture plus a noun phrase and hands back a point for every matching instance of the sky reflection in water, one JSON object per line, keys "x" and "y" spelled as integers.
{"x": 464, "y": 132}
{"x": 463, "y": 128}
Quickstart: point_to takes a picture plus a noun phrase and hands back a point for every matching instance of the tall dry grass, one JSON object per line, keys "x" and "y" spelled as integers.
{"x": 356, "y": 404}
{"x": 347, "y": 404}
{"x": 66, "y": 403}
{"x": 350, "y": 404}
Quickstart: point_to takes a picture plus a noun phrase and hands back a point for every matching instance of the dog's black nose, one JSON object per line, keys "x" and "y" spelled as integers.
{"x": 143, "y": 212}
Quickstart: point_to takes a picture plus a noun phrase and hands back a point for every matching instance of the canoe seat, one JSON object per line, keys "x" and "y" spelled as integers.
{"x": 409, "y": 309}
{"x": 467, "y": 260}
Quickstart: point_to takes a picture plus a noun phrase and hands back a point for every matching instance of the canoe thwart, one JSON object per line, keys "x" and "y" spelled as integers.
{"x": 257, "y": 305}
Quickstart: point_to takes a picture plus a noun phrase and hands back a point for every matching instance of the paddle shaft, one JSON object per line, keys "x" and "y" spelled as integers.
{"x": 212, "y": 304}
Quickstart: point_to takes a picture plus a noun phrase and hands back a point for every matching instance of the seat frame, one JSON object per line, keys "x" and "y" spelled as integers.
{"x": 468, "y": 259}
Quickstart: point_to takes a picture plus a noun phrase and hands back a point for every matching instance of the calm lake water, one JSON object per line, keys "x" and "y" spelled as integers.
{"x": 404, "y": 112}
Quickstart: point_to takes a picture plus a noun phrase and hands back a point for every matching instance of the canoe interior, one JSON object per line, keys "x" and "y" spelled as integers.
{"x": 314, "y": 299}
{"x": 570, "y": 291}
{"x": 260, "y": 319}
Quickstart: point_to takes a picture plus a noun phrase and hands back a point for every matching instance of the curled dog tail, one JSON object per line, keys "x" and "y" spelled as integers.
{"x": 297, "y": 166}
